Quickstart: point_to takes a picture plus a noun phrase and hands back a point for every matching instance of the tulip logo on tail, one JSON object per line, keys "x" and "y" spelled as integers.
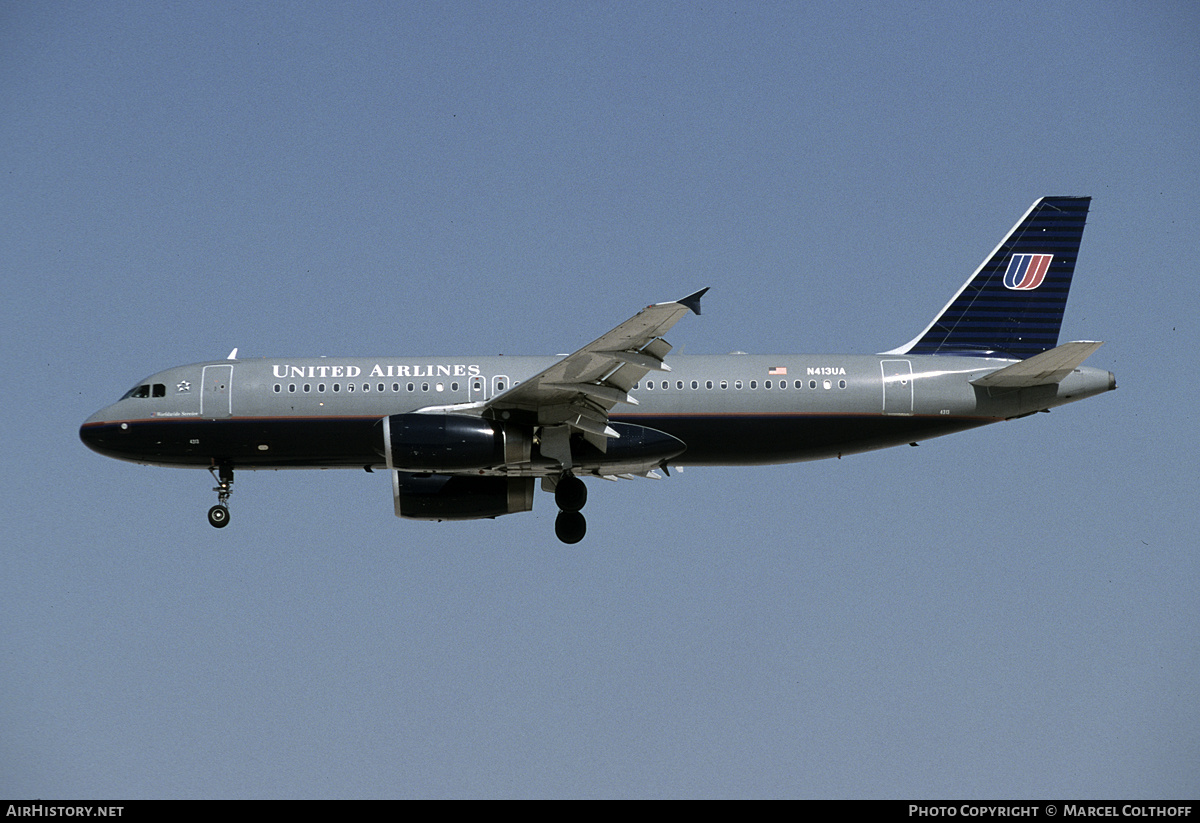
{"x": 1027, "y": 271}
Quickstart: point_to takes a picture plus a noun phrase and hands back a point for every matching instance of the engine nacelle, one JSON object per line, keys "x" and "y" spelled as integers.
{"x": 449, "y": 442}
{"x": 456, "y": 497}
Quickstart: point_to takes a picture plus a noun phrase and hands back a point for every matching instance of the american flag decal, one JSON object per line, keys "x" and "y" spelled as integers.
{"x": 777, "y": 370}
{"x": 1026, "y": 271}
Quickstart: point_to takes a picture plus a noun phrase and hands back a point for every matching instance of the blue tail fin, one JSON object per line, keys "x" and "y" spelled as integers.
{"x": 1013, "y": 305}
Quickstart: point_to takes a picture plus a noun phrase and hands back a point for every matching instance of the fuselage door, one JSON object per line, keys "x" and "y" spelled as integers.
{"x": 216, "y": 393}
{"x": 897, "y": 386}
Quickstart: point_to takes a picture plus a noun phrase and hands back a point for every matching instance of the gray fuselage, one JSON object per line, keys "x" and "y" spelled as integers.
{"x": 728, "y": 409}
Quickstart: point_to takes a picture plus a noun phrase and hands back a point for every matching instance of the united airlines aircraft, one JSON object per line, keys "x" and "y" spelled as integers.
{"x": 471, "y": 437}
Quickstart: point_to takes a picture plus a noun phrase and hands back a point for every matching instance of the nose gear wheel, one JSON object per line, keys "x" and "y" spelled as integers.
{"x": 218, "y": 515}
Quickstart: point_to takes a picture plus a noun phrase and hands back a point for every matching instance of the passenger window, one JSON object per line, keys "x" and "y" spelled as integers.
{"x": 695, "y": 384}
{"x": 812, "y": 384}
{"x": 767, "y": 384}
{"x": 737, "y": 385}
{"x": 278, "y": 388}
{"x": 799, "y": 384}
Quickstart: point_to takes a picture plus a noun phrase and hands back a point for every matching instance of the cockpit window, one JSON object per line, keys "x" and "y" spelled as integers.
{"x": 147, "y": 390}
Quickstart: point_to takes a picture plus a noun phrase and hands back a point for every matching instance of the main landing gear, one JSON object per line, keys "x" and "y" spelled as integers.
{"x": 218, "y": 515}
{"x": 570, "y": 494}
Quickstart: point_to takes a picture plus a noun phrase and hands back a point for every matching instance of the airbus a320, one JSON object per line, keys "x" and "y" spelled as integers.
{"x": 472, "y": 437}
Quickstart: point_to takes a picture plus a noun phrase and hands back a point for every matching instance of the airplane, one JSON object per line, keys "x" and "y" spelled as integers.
{"x": 470, "y": 437}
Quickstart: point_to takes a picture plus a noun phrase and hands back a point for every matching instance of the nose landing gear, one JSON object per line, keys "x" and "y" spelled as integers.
{"x": 570, "y": 494}
{"x": 218, "y": 515}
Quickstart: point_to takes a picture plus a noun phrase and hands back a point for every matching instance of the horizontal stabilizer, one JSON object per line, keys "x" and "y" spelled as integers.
{"x": 1041, "y": 369}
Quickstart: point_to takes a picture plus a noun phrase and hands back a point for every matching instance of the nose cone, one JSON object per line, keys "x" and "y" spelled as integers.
{"x": 89, "y": 433}
{"x": 98, "y": 432}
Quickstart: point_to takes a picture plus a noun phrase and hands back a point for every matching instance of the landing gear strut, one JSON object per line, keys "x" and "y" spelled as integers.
{"x": 570, "y": 494}
{"x": 218, "y": 515}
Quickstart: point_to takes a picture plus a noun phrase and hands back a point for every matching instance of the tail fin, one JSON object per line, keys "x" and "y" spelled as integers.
{"x": 1012, "y": 306}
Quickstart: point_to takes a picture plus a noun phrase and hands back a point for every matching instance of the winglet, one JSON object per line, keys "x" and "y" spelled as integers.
{"x": 692, "y": 301}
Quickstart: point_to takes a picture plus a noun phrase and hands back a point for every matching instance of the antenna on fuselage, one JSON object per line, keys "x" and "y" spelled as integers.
{"x": 232, "y": 354}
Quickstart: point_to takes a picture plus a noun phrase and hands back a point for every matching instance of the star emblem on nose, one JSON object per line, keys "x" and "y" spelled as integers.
{"x": 184, "y": 386}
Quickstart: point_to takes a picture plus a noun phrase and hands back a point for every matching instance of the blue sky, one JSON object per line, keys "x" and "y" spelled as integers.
{"x": 1009, "y": 612}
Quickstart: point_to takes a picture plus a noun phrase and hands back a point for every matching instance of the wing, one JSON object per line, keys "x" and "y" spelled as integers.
{"x": 578, "y": 391}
